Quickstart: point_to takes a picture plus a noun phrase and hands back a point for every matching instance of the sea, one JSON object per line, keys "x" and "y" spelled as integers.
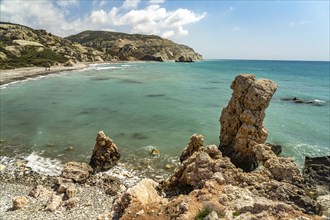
{"x": 147, "y": 105}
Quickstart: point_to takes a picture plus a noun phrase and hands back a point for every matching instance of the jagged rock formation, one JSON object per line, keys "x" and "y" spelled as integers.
{"x": 195, "y": 143}
{"x": 21, "y": 46}
{"x": 242, "y": 119}
{"x": 105, "y": 154}
{"x": 121, "y": 46}
{"x": 218, "y": 187}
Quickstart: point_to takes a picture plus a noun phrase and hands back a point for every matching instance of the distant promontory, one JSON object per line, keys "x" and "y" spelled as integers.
{"x": 22, "y": 46}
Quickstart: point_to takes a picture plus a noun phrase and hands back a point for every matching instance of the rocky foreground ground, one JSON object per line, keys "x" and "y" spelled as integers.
{"x": 240, "y": 179}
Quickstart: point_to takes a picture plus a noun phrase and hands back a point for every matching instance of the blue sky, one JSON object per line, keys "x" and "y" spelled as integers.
{"x": 277, "y": 30}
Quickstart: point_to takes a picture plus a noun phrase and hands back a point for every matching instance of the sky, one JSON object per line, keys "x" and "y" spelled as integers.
{"x": 262, "y": 30}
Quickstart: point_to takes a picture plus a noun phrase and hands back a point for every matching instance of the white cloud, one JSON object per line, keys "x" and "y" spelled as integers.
{"x": 156, "y": 2}
{"x": 67, "y": 3}
{"x": 130, "y": 4}
{"x": 152, "y": 19}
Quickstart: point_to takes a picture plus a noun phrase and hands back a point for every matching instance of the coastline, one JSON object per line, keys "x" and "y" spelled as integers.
{"x": 19, "y": 74}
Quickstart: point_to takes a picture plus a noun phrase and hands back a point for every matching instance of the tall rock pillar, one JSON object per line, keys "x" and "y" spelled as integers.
{"x": 242, "y": 120}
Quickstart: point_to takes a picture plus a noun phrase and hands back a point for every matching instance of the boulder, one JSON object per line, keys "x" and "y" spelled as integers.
{"x": 242, "y": 120}
{"x": 142, "y": 196}
{"x": 78, "y": 172}
{"x": 105, "y": 154}
{"x": 19, "y": 202}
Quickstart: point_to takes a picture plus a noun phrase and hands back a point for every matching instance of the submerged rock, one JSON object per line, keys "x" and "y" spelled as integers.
{"x": 105, "y": 153}
{"x": 242, "y": 120}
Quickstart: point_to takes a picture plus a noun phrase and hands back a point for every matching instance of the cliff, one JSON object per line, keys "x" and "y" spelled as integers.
{"x": 121, "y": 46}
{"x": 21, "y": 46}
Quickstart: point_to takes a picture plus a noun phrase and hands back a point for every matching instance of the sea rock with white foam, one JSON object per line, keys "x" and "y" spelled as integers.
{"x": 242, "y": 120}
{"x": 105, "y": 153}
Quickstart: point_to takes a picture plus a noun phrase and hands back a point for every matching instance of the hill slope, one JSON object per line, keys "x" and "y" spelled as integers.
{"x": 121, "y": 46}
{"x": 21, "y": 46}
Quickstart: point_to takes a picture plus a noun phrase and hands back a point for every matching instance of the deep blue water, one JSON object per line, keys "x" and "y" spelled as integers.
{"x": 159, "y": 104}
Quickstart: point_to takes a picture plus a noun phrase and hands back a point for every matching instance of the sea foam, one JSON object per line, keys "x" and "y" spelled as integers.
{"x": 44, "y": 165}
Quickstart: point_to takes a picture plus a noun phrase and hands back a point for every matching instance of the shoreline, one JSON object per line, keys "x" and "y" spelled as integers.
{"x": 8, "y": 76}
{"x": 19, "y": 74}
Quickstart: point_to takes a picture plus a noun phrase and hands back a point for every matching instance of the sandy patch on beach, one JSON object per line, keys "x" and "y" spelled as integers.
{"x": 12, "y": 75}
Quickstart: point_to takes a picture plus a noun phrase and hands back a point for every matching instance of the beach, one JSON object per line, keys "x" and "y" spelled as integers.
{"x": 19, "y": 74}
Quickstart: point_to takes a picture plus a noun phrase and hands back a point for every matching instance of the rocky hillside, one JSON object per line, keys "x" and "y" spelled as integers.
{"x": 21, "y": 46}
{"x": 123, "y": 46}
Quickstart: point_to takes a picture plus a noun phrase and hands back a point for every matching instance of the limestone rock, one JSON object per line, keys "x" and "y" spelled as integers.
{"x": 111, "y": 185}
{"x": 142, "y": 196}
{"x": 19, "y": 202}
{"x": 78, "y": 172}
{"x": 54, "y": 203}
{"x": 201, "y": 165}
{"x": 317, "y": 171}
{"x": 105, "y": 154}
{"x": 40, "y": 192}
{"x": 71, "y": 202}
{"x": 195, "y": 143}
{"x": 242, "y": 119}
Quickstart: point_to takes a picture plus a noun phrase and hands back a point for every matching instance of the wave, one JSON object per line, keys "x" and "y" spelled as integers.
{"x": 44, "y": 165}
{"x": 106, "y": 68}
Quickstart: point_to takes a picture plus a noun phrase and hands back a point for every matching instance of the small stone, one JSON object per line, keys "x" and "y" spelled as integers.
{"x": 71, "y": 191}
{"x": 19, "y": 202}
{"x": 141, "y": 212}
{"x": 19, "y": 163}
{"x": 155, "y": 152}
{"x": 168, "y": 166}
{"x": 2, "y": 167}
{"x": 69, "y": 148}
{"x": 54, "y": 203}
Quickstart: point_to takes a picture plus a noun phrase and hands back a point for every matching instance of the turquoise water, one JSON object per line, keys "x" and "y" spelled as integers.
{"x": 158, "y": 104}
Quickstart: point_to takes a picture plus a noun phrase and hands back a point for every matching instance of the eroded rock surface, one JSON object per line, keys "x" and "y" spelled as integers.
{"x": 78, "y": 172}
{"x": 105, "y": 153}
{"x": 277, "y": 185}
{"x": 242, "y": 120}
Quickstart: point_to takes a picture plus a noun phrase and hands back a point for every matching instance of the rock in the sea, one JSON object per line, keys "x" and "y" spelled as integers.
{"x": 19, "y": 202}
{"x": 78, "y": 172}
{"x": 242, "y": 120}
{"x": 105, "y": 153}
{"x": 184, "y": 59}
